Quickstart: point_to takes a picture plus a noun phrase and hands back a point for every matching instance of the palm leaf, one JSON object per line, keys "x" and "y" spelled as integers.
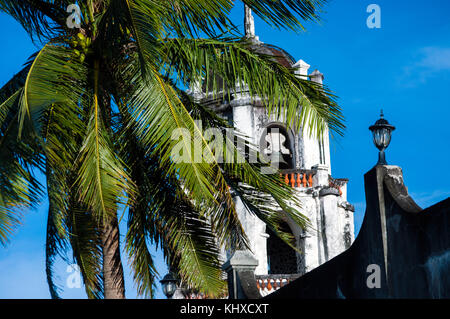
{"x": 86, "y": 245}
{"x": 18, "y": 187}
{"x": 154, "y": 216}
{"x": 40, "y": 18}
{"x": 102, "y": 179}
{"x": 223, "y": 64}
{"x": 194, "y": 246}
{"x": 156, "y": 112}
{"x": 282, "y": 13}
{"x": 51, "y": 79}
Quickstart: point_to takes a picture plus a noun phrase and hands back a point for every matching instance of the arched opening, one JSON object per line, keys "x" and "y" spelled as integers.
{"x": 277, "y": 145}
{"x": 281, "y": 258}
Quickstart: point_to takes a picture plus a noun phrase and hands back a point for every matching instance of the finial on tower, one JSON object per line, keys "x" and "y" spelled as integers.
{"x": 249, "y": 23}
{"x": 381, "y": 114}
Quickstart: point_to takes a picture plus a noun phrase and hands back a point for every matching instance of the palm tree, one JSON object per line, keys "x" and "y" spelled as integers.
{"x": 94, "y": 109}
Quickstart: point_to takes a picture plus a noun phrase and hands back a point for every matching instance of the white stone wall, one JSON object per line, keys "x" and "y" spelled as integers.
{"x": 255, "y": 229}
{"x": 325, "y": 238}
{"x": 310, "y": 239}
{"x": 331, "y": 226}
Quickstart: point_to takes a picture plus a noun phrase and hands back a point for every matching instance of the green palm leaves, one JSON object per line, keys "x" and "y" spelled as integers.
{"x": 102, "y": 178}
{"x": 234, "y": 61}
{"x": 101, "y": 129}
{"x": 19, "y": 188}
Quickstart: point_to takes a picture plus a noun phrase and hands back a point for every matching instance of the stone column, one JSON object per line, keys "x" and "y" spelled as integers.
{"x": 311, "y": 154}
{"x": 240, "y": 269}
{"x": 243, "y": 117}
{"x": 255, "y": 229}
{"x": 317, "y": 76}
{"x": 333, "y": 242}
{"x": 321, "y": 176}
{"x": 249, "y": 23}
{"x": 301, "y": 69}
{"x": 324, "y": 146}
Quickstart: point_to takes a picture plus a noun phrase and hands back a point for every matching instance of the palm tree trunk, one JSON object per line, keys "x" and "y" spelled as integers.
{"x": 113, "y": 281}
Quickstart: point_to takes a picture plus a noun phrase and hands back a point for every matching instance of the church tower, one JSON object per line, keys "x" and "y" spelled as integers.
{"x": 306, "y": 166}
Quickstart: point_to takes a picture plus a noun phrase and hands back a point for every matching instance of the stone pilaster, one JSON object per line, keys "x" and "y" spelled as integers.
{"x": 240, "y": 269}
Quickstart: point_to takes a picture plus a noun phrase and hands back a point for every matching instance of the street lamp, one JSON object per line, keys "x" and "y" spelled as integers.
{"x": 381, "y": 131}
{"x": 169, "y": 285}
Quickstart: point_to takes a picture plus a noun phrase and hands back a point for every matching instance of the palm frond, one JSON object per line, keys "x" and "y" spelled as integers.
{"x": 62, "y": 142}
{"x": 19, "y": 189}
{"x": 51, "y": 79}
{"x": 184, "y": 18}
{"x": 224, "y": 64}
{"x": 102, "y": 181}
{"x": 86, "y": 245}
{"x": 264, "y": 195}
{"x": 282, "y": 14}
{"x": 40, "y": 18}
{"x": 194, "y": 248}
{"x": 140, "y": 224}
{"x": 157, "y": 215}
{"x": 158, "y": 115}
{"x": 14, "y": 84}
{"x": 54, "y": 244}
{"x": 56, "y": 116}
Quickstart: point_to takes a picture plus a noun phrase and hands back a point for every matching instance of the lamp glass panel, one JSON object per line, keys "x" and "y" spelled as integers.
{"x": 381, "y": 138}
{"x": 169, "y": 288}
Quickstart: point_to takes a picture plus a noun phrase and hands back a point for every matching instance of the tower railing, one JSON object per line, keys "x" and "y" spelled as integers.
{"x": 304, "y": 178}
{"x": 267, "y": 284}
{"x": 299, "y": 178}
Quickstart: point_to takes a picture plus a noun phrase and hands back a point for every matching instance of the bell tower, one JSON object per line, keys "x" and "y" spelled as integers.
{"x": 305, "y": 164}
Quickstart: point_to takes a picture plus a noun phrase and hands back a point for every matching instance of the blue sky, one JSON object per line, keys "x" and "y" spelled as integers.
{"x": 403, "y": 68}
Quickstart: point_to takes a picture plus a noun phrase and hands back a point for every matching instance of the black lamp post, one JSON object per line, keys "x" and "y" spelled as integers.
{"x": 381, "y": 131}
{"x": 169, "y": 285}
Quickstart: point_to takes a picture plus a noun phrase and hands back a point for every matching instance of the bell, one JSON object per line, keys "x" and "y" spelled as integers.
{"x": 274, "y": 148}
{"x": 277, "y": 159}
